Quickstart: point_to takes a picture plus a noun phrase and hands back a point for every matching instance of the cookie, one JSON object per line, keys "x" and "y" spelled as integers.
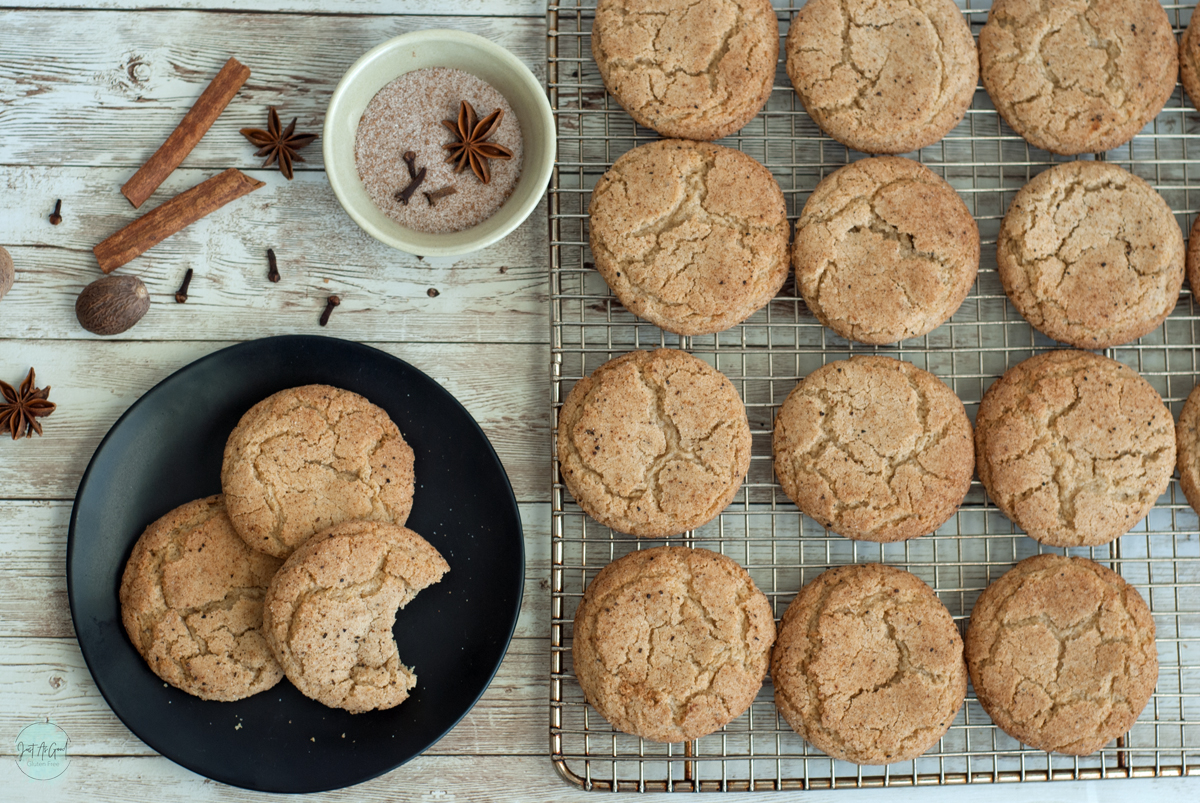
{"x": 690, "y": 236}
{"x": 329, "y": 612}
{"x": 653, "y": 443}
{"x": 1187, "y": 444}
{"x": 874, "y": 448}
{"x": 1075, "y": 76}
{"x": 868, "y": 666}
{"x": 1091, "y": 255}
{"x": 883, "y": 77}
{"x": 696, "y": 70}
{"x": 1061, "y": 653}
{"x": 1189, "y": 59}
{"x": 672, "y": 643}
{"x": 1193, "y": 257}
{"x": 308, "y": 458}
{"x": 885, "y": 250}
{"x": 1075, "y": 448}
{"x": 192, "y": 604}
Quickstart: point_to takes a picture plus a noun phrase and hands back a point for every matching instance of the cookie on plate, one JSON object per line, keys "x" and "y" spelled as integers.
{"x": 885, "y": 250}
{"x": 307, "y": 458}
{"x": 1075, "y": 448}
{"x": 1075, "y": 76}
{"x": 1187, "y": 444}
{"x": 690, "y": 236}
{"x": 653, "y": 443}
{"x": 192, "y": 604}
{"x": 1062, "y": 655}
{"x": 868, "y": 665}
{"x": 888, "y": 77}
{"x": 329, "y": 612}
{"x": 672, "y": 643}
{"x": 696, "y": 70}
{"x": 874, "y": 449}
{"x": 1091, "y": 255}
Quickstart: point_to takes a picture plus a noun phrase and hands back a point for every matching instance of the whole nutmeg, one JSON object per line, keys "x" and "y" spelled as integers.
{"x": 112, "y": 304}
{"x": 7, "y": 273}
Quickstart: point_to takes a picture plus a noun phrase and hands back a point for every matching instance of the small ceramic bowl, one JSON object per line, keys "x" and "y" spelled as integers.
{"x": 439, "y": 48}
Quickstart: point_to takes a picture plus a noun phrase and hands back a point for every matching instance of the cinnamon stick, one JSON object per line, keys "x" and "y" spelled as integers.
{"x": 195, "y": 123}
{"x": 185, "y": 208}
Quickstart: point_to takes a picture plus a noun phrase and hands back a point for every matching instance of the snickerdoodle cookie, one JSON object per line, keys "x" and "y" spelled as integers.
{"x": 874, "y": 448}
{"x": 697, "y": 69}
{"x": 883, "y": 77}
{"x": 885, "y": 250}
{"x": 329, "y": 612}
{"x": 1193, "y": 255}
{"x": 690, "y": 236}
{"x": 653, "y": 443}
{"x": 672, "y": 643}
{"x": 1189, "y": 59}
{"x": 1076, "y": 76}
{"x": 868, "y": 665}
{"x": 1062, "y": 655}
{"x": 311, "y": 457}
{"x": 1091, "y": 255}
{"x": 192, "y": 604}
{"x": 1187, "y": 443}
{"x": 1074, "y": 447}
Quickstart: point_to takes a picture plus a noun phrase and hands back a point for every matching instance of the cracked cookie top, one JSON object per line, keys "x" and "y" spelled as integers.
{"x": 329, "y": 612}
{"x": 1078, "y": 76}
{"x": 883, "y": 76}
{"x": 192, "y": 604}
{"x": 1075, "y": 448}
{"x": 868, "y": 665}
{"x": 1062, "y": 655}
{"x": 310, "y": 457}
{"x": 653, "y": 443}
{"x": 1187, "y": 444}
{"x": 690, "y": 236}
{"x": 885, "y": 250}
{"x": 1091, "y": 255}
{"x": 672, "y": 643}
{"x": 874, "y": 448}
{"x": 697, "y": 69}
{"x": 1189, "y": 59}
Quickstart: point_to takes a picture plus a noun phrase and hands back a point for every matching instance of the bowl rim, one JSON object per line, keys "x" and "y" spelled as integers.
{"x": 539, "y": 173}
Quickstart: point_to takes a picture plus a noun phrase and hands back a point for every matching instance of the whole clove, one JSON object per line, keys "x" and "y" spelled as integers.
{"x": 56, "y": 215}
{"x": 330, "y": 303}
{"x": 405, "y": 194}
{"x": 272, "y": 268}
{"x": 437, "y": 195}
{"x": 410, "y": 159}
{"x": 181, "y": 293}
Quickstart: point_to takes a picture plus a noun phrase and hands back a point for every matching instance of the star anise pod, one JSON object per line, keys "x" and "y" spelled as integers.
{"x": 472, "y": 147}
{"x": 276, "y": 144}
{"x": 21, "y": 408}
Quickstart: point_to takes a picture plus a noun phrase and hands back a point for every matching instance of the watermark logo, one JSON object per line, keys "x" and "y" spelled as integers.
{"x": 42, "y": 750}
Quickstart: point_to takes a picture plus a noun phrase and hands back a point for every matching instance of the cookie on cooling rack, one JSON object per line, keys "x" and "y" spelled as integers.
{"x": 653, "y": 443}
{"x": 1091, "y": 255}
{"x": 690, "y": 236}
{"x": 672, "y": 643}
{"x": 1075, "y": 448}
{"x": 1193, "y": 257}
{"x": 874, "y": 449}
{"x": 1062, "y": 655}
{"x": 868, "y": 666}
{"x": 1189, "y": 59}
{"x": 1078, "y": 77}
{"x": 885, "y": 250}
{"x": 883, "y": 77}
{"x": 687, "y": 69}
{"x": 1187, "y": 444}
{"x": 192, "y": 604}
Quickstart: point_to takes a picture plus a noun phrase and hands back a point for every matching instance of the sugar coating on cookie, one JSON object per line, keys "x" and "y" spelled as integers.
{"x": 1189, "y": 59}
{"x": 868, "y": 665}
{"x": 697, "y": 69}
{"x": 1187, "y": 444}
{"x": 672, "y": 643}
{"x": 308, "y": 458}
{"x": 690, "y": 236}
{"x": 653, "y": 443}
{"x": 329, "y": 612}
{"x": 885, "y": 250}
{"x": 1062, "y": 654}
{"x": 1075, "y": 448}
{"x": 1074, "y": 76}
{"x": 192, "y": 604}
{"x": 874, "y": 448}
{"x": 883, "y": 77}
{"x": 1091, "y": 255}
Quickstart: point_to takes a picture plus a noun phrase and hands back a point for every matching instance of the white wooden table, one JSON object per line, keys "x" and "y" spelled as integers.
{"x": 85, "y": 97}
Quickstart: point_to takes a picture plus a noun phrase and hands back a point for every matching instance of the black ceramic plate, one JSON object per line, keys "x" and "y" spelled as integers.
{"x": 166, "y": 450}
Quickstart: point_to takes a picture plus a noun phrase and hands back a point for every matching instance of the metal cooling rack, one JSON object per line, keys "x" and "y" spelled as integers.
{"x": 765, "y": 357}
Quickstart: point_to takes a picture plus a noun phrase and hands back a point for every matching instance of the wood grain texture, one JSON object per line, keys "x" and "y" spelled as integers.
{"x": 491, "y": 8}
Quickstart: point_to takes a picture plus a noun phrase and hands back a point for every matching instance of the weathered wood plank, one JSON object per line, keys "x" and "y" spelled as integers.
{"x": 490, "y": 8}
